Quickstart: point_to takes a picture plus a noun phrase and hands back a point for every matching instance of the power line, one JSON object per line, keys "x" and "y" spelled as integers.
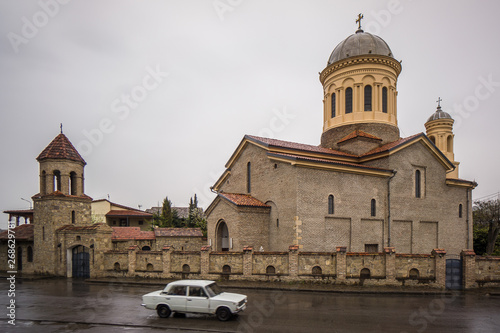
{"x": 488, "y": 196}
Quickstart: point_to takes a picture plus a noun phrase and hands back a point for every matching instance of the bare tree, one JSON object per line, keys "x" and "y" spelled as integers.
{"x": 487, "y": 213}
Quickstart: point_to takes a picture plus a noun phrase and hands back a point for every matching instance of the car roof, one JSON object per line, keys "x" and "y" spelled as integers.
{"x": 202, "y": 283}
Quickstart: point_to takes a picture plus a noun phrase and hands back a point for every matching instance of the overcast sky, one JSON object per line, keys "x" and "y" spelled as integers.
{"x": 156, "y": 95}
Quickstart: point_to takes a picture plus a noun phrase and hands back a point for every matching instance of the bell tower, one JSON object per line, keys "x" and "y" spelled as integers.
{"x": 61, "y": 201}
{"x": 439, "y": 129}
{"x": 360, "y": 95}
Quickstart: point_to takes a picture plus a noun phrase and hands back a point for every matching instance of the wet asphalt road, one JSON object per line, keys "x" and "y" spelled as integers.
{"x": 74, "y": 306}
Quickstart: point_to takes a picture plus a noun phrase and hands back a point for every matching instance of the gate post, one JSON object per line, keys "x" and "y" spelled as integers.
{"x": 247, "y": 261}
{"x": 205, "y": 261}
{"x": 390, "y": 265}
{"x": 132, "y": 251}
{"x": 468, "y": 268}
{"x": 341, "y": 260}
{"x": 293, "y": 261}
{"x": 440, "y": 267}
{"x": 166, "y": 263}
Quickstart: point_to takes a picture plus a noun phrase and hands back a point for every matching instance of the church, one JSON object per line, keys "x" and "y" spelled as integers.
{"x": 364, "y": 187}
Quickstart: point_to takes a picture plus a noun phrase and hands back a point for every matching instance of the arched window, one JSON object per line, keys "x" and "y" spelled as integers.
{"x": 348, "y": 100}
{"x": 249, "y": 179}
{"x": 365, "y": 273}
{"x": 72, "y": 183}
{"x": 316, "y": 270}
{"x": 73, "y": 217}
{"x": 334, "y": 106}
{"x": 146, "y": 248}
{"x": 414, "y": 274}
{"x": 374, "y": 207}
{"x": 270, "y": 270}
{"x": 331, "y": 207}
{"x": 384, "y": 100}
{"x": 117, "y": 266}
{"x": 30, "y": 254}
{"x": 460, "y": 211}
{"x": 368, "y": 98}
{"x": 150, "y": 267}
{"x": 418, "y": 190}
{"x": 43, "y": 183}
{"x": 226, "y": 269}
{"x": 449, "y": 143}
{"x": 57, "y": 180}
{"x": 433, "y": 139}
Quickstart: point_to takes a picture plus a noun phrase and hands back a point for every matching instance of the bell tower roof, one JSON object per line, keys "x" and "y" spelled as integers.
{"x": 61, "y": 148}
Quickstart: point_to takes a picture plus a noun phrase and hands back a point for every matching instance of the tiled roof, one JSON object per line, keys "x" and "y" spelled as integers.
{"x": 178, "y": 232}
{"x": 392, "y": 145}
{"x": 297, "y": 146}
{"x": 70, "y": 227}
{"x": 131, "y": 233}
{"x": 243, "y": 200}
{"x": 23, "y": 232}
{"x": 61, "y": 148}
{"x": 358, "y": 133}
{"x": 312, "y": 159}
{"x": 19, "y": 212}
{"x": 119, "y": 213}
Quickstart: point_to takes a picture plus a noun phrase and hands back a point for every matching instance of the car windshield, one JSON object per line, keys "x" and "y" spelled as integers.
{"x": 213, "y": 290}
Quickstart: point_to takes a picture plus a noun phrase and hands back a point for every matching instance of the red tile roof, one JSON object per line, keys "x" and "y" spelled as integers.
{"x": 178, "y": 232}
{"x": 297, "y": 146}
{"x": 23, "y": 232}
{"x": 119, "y": 213}
{"x": 61, "y": 148}
{"x": 244, "y": 200}
{"x": 391, "y": 145}
{"x": 131, "y": 233}
{"x": 312, "y": 159}
{"x": 358, "y": 133}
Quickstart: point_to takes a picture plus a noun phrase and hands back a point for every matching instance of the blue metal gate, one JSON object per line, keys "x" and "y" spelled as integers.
{"x": 453, "y": 273}
{"x": 81, "y": 262}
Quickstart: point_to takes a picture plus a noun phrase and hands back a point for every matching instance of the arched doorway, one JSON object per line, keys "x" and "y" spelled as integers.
{"x": 80, "y": 262}
{"x": 222, "y": 236}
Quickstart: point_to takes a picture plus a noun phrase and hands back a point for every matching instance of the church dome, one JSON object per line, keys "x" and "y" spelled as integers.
{"x": 439, "y": 114}
{"x": 360, "y": 43}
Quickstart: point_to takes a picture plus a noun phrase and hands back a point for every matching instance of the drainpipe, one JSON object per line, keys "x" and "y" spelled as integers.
{"x": 467, "y": 219}
{"x": 389, "y": 208}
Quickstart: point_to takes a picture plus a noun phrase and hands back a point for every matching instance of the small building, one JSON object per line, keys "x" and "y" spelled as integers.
{"x": 116, "y": 215}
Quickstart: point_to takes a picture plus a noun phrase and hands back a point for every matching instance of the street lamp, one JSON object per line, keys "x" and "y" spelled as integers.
{"x": 29, "y": 201}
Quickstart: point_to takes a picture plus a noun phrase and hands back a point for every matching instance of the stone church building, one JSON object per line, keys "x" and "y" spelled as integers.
{"x": 364, "y": 187}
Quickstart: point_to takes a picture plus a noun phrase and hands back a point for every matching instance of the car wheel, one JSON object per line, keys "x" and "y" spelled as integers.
{"x": 223, "y": 314}
{"x": 163, "y": 311}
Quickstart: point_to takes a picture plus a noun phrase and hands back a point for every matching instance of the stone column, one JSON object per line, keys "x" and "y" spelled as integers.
{"x": 166, "y": 261}
{"x": 390, "y": 265}
{"x": 293, "y": 261}
{"x": 440, "y": 267}
{"x": 341, "y": 260}
{"x": 132, "y": 256}
{"x": 469, "y": 268}
{"x": 205, "y": 261}
{"x": 247, "y": 261}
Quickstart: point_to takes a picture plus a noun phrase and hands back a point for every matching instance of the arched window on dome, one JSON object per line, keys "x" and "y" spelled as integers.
{"x": 368, "y": 98}
{"x": 384, "y": 100}
{"x": 433, "y": 139}
{"x": 348, "y": 100}
{"x": 334, "y": 109}
{"x": 449, "y": 143}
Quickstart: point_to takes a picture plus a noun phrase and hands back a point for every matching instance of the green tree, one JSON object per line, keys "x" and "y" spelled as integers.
{"x": 486, "y": 225}
{"x": 167, "y": 215}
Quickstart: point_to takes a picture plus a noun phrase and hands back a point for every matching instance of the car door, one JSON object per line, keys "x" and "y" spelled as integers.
{"x": 176, "y": 298}
{"x": 197, "y": 300}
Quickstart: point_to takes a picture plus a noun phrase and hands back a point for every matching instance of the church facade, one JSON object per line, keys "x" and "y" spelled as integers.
{"x": 364, "y": 187}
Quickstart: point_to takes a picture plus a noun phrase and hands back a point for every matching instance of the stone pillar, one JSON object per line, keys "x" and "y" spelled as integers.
{"x": 341, "y": 268}
{"x": 247, "y": 261}
{"x": 390, "y": 265}
{"x": 166, "y": 261}
{"x": 469, "y": 268}
{"x": 205, "y": 261}
{"x": 132, "y": 256}
{"x": 293, "y": 261}
{"x": 440, "y": 267}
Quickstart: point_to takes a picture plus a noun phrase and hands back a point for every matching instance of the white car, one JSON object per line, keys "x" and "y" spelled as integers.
{"x": 194, "y": 296}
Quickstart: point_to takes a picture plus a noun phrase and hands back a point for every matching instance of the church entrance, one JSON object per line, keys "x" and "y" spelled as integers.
{"x": 222, "y": 237}
{"x": 80, "y": 262}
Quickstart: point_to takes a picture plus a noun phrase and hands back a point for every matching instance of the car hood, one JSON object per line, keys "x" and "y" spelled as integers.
{"x": 232, "y": 297}
{"x": 154, "y": 293}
